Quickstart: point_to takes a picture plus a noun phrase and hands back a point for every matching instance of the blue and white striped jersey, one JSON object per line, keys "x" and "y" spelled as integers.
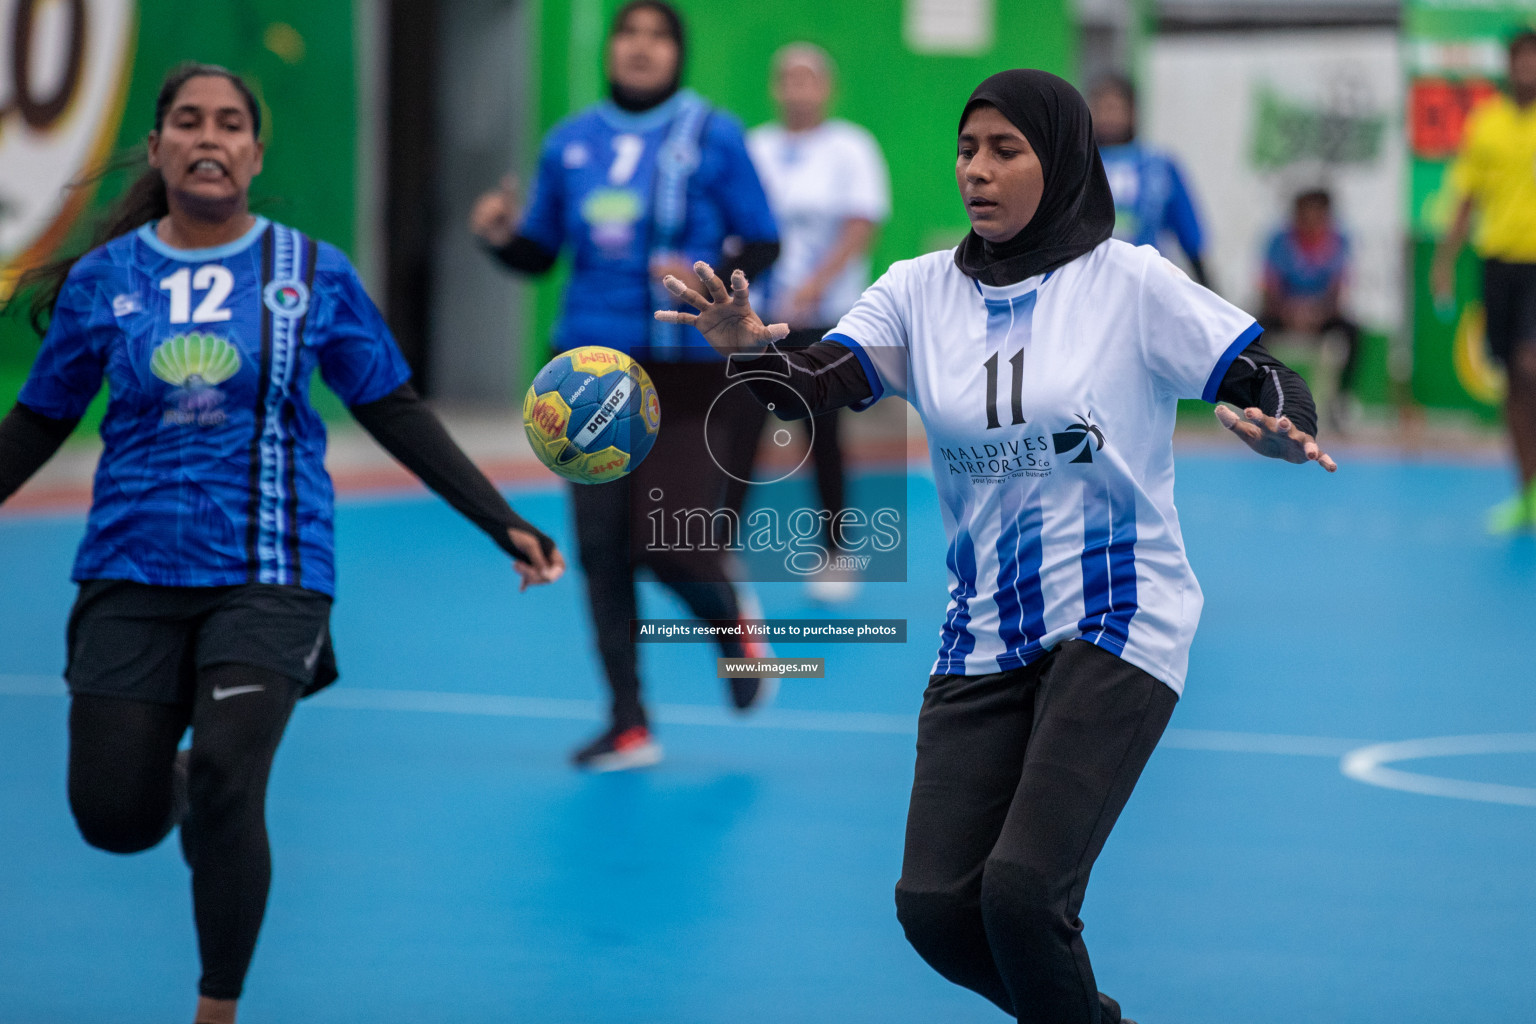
{"x": 212, "y": 471}
{"x": 1049, "y": 407}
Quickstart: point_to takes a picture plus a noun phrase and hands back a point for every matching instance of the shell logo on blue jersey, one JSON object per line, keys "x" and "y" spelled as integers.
{"x": 194, "y": 365}
{"x": 611, "y": 214}
{"x": 286, "y": 298}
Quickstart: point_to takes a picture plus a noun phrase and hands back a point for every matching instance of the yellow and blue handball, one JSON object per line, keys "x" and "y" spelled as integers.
{"x": 592, "y": 414}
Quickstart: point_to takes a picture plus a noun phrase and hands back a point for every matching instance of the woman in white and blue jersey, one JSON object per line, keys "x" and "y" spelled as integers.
{"x": 207, "y": 569}
{"x": 1046, "y": 360}
{"x": 632, "y": 188}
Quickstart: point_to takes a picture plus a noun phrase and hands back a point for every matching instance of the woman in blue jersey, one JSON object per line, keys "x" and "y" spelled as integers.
{"x": 634, "y": 188}
{"x": 206, "y": 573}
{"x": 1151, "y": 198}
{"x": 1046, "y": 360}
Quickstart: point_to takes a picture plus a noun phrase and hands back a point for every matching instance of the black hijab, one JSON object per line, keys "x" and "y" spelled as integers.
{"x": 633, "y": 100}
{"x": 1076, "y": 210}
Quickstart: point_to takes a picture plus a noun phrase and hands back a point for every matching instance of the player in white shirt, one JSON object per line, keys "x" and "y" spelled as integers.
{"x": 829, "y": 189}
{"x": 1046, "y": 360}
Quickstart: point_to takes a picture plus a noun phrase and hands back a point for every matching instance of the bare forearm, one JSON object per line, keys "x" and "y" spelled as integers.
{"x": 1456, "y": 235}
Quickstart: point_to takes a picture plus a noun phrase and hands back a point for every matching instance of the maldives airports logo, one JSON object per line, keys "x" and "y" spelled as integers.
{"x": 64, "y": 70}
{"x": 1029, "y": 455}
{"x": 997, "y": 460}
{"x": 1080, "y": 440}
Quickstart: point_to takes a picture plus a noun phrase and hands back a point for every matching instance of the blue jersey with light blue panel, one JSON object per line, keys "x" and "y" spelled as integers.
{"x": 1309, "y": 269}
{"x": 620, "y": 190}
{"x": 213, "y": 464}
{"x": 1150, "y": 198}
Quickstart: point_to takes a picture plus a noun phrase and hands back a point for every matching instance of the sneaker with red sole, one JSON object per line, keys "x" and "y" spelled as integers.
{"x": 619, "y": 749}
{"x": 751, "y": 694}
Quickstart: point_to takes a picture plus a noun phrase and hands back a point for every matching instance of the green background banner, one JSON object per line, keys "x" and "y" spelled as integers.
{"x": 297, "y": 56}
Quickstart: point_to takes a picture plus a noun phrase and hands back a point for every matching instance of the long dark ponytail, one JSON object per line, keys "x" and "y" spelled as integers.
{"x": 143, "y": 201}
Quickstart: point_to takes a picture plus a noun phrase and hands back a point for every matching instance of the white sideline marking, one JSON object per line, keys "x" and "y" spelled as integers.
{"x": 1368, "y": 765}
{"x": 498, "y": 705}
{"x": 1257, "y": 743}
{"x": 32, "y": 686}
{"x": 1362, "y": 763}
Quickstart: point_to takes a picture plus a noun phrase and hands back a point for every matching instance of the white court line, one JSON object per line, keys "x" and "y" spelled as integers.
{"x": 1368, "y": 765}
{"x": 1362, "y": 763}
{"x": 497, "y": 705}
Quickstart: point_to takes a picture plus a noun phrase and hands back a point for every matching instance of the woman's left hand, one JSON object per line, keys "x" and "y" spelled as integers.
{"x": 537, "y": 569}
{"x": 1274, "y": 438}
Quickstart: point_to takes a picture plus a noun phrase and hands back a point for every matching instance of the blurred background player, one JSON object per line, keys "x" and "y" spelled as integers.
{"x": 1306, "y": 268}
{"x": 1495, "y": 176}
{"x": 636, "y": 187}
{"x": 830, "y": 190}
{"x": 1151, "y": 198}
{"x": 207, "y": 568}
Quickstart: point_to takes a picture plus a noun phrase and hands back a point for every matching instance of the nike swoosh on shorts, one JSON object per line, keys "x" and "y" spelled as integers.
{"x": 220, "y": 692}
{"x": 314, "y": 654}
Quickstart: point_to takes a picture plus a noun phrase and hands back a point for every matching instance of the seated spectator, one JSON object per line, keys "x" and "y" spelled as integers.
{"x": 1305, "y": 271}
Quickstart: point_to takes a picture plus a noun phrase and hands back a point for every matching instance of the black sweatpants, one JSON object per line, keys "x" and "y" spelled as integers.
{"x": 617, "y": 522}
{"x": 1020, "y": 777}
{"x": 121, "y": 756}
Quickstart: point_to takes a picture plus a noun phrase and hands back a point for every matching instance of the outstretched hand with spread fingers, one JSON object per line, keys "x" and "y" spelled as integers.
{"x": 724, "y": 318}
{"x": 1274, "y": 438}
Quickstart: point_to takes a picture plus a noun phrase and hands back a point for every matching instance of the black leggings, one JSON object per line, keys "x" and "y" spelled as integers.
{"x": 1020, "y": 777}
{"x": 615, "y": 521}
{"x": 122, "y": 793}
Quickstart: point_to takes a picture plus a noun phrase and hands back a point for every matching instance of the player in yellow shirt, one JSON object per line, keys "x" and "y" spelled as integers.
{"x": 1495, "y": 173}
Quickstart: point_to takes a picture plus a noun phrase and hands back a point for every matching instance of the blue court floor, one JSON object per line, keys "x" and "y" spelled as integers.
{"x": 1339, "y": 827}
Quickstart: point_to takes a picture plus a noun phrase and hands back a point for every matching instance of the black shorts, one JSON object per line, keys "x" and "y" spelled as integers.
{"x": 148, "y": 643}
{"x": 1509, "y": 299}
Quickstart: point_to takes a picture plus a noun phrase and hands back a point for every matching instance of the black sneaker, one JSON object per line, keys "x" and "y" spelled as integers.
{"x": 748, "y": 695}
{"x": 619, "y": 749}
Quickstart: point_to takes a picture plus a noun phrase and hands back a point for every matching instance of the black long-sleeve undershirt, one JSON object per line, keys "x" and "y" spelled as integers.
{"x": 411, "y": 432}
{"x": 829, "y": 376}
{"x": 27, "y": 440}
{"x": 1257, "y": 378}
{"x": 402, "y": 424}
{"x": 523, "y": 255}
{"x": 526, "y": 256}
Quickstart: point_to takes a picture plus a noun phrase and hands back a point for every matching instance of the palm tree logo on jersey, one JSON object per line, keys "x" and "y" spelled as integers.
{"x": 194, "y": 365}
{"x": 1076, "y": 437}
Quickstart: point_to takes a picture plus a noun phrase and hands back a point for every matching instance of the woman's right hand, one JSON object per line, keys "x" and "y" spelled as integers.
{"x": 496, "y": 213}
{"x": 535, "y": 567}
{"x": 724, "y": 318}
